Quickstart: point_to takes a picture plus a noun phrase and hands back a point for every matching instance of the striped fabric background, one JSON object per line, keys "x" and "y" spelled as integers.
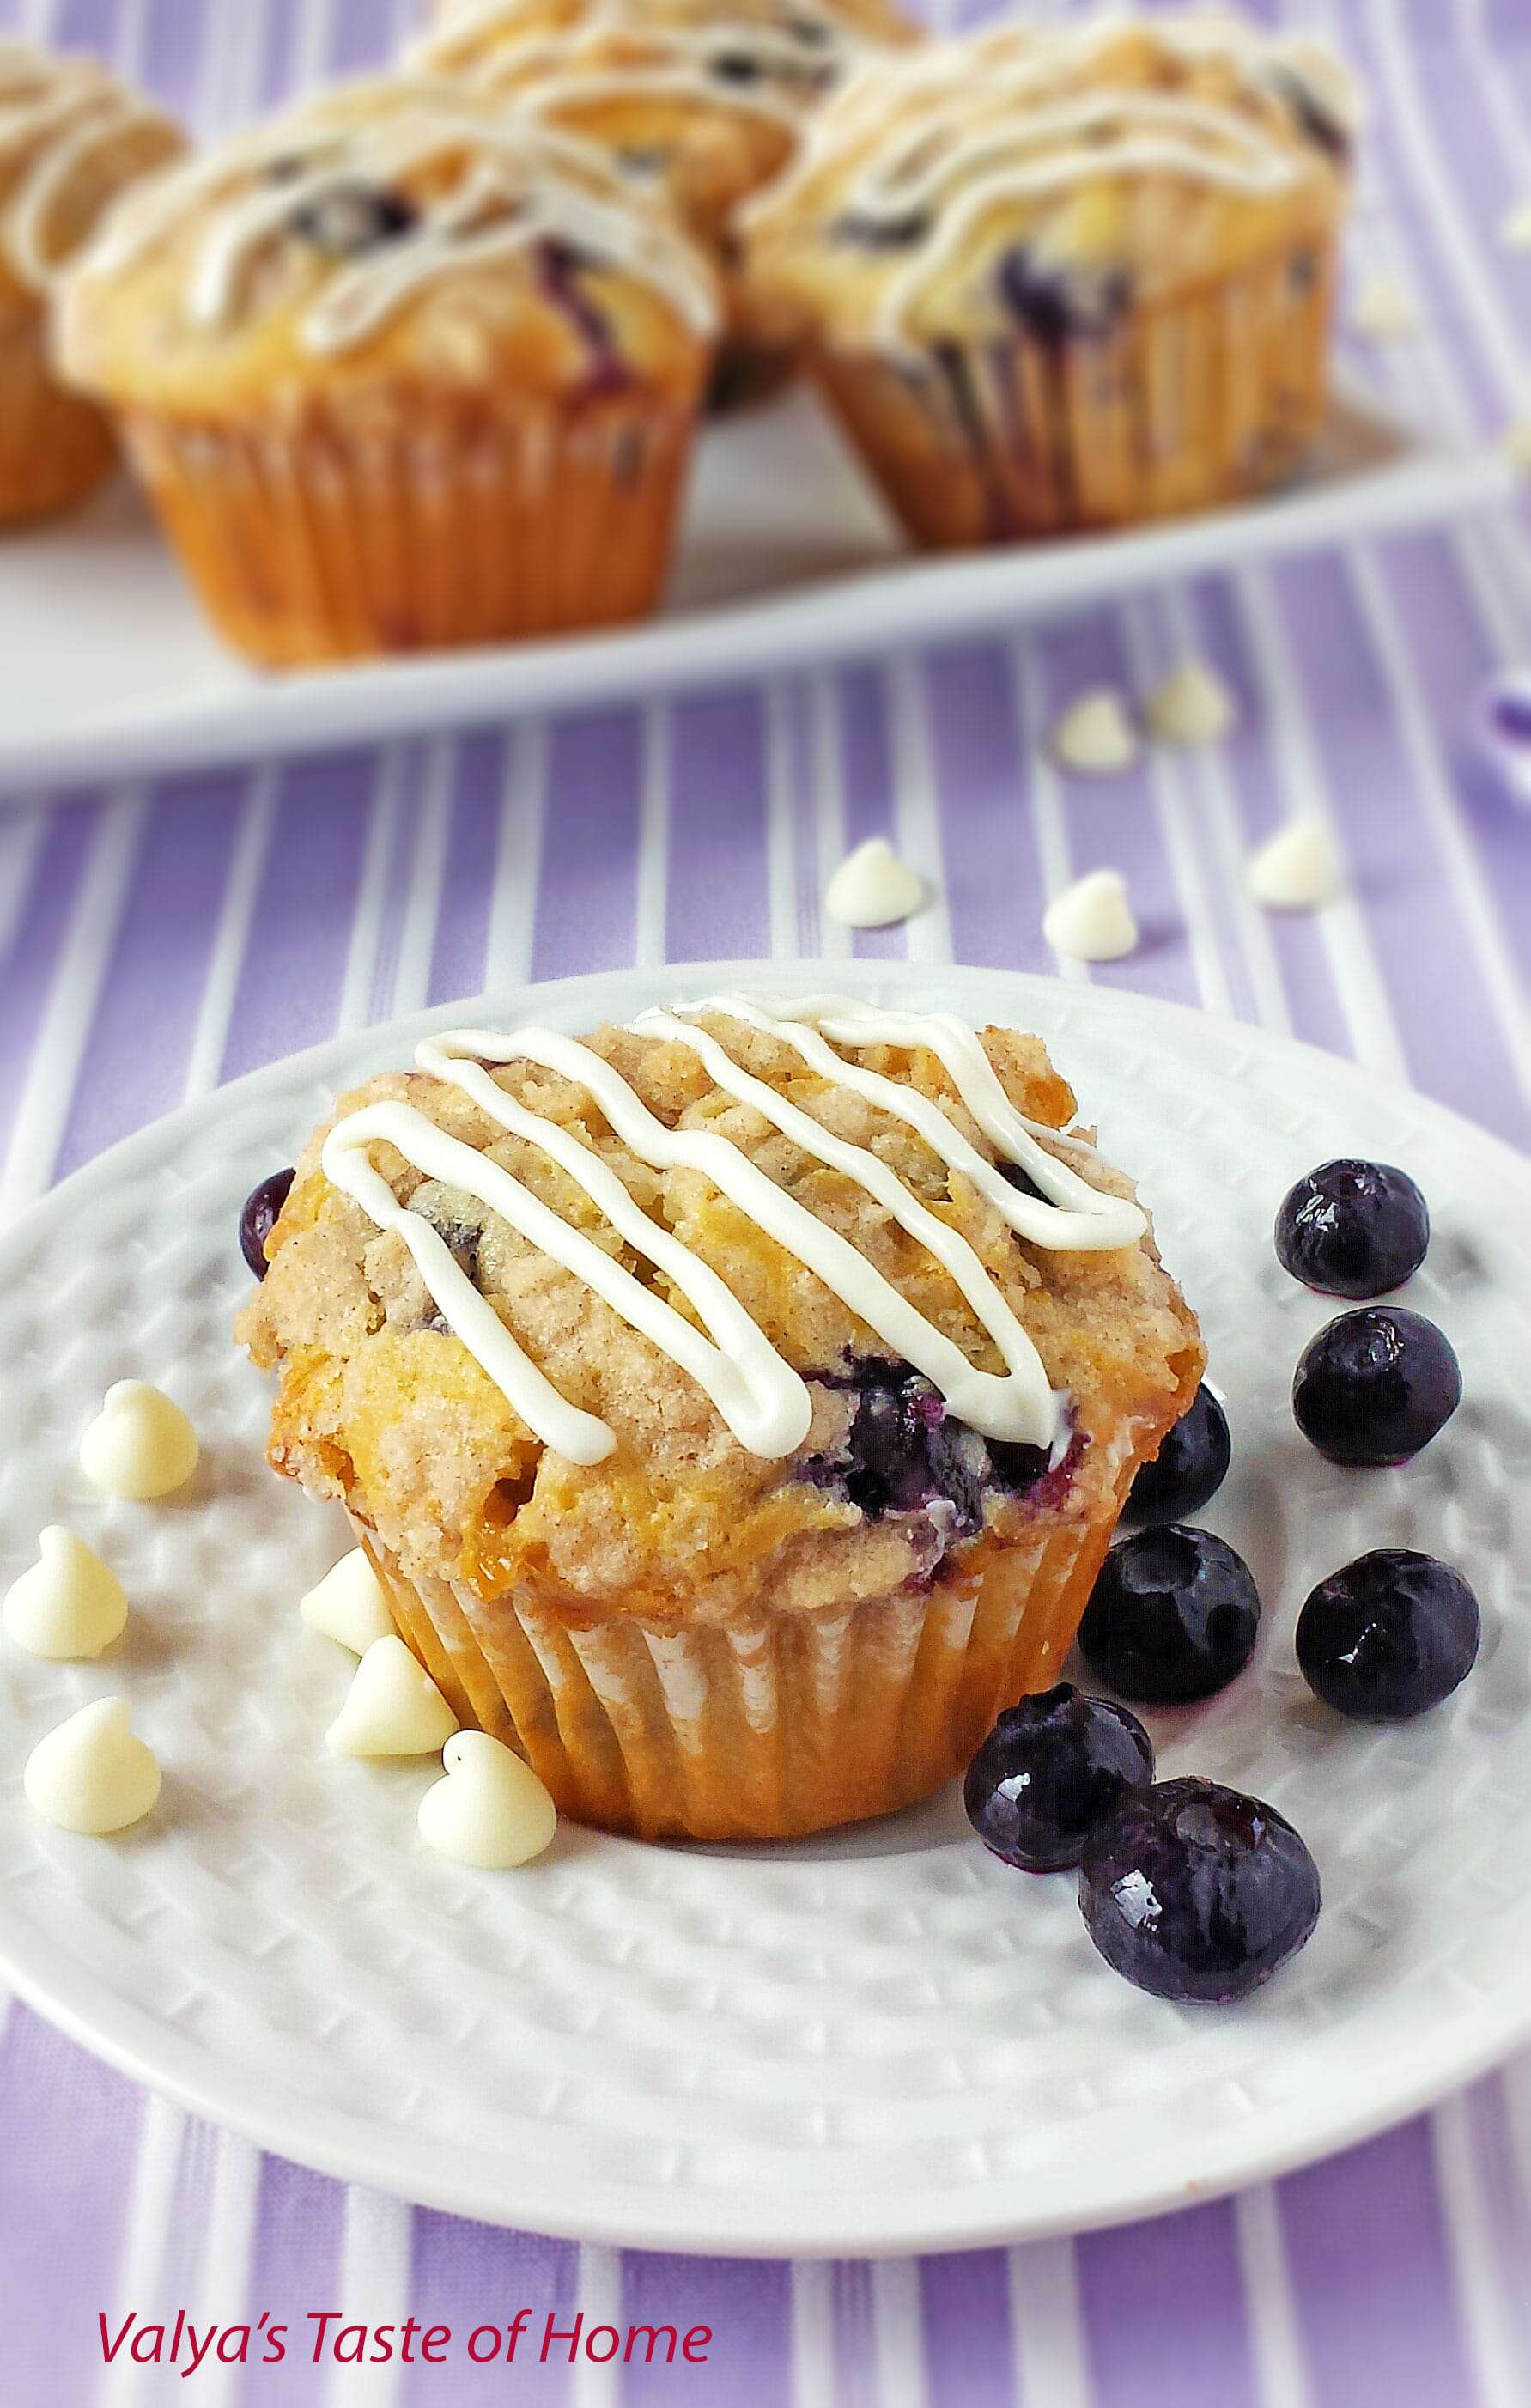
{"x": 160, "y": 938}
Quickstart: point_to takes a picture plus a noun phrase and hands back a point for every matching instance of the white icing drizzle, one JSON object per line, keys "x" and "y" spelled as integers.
{"x": 527, "y": 183}
{"x": 955, "y": 162}
{"x": 761, "y": 1399}
{"x": 53, "y": 113}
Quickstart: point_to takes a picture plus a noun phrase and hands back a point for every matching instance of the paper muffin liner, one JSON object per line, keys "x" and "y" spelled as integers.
{"x": 55, "y": 448}
{"x": 770, "y": 1725}
{"x": 425, "y": 525}
{"x": 1204, "y": 400}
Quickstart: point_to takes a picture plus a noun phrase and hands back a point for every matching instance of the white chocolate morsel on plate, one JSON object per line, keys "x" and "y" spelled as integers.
{"x": 1297, "y": 868}
{"x": 348, "y": 1605}
{"x": 140, "y": 1443}
{"x": 392, "y": 1707}
{"x": 1515, "y": 226}
{"x": 1385, "y": 310}
{"x": 1092, "y": 920}
{"x": 1193, "y": 705}
{"x": 1095, "y": 735}
{"x": 872, "y": 887}
{"x": 91, "y": 1775}
{"x": 66, "y": 1605}
{"x": 490, "y": 1810}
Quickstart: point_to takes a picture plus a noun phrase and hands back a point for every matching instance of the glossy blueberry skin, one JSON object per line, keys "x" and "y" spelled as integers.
{"x": 259, "y": 1218}
{"x": 1353, "y": 1228}
{"x": 1389, "y": 1636}
{"x": 1376, "y": 1386}
{"x": 1172, "y": 1617}
{"x": 1052, "y": 1770}
{"x": 1190, "y": 1466}
{"x": 1197, "y": 1893}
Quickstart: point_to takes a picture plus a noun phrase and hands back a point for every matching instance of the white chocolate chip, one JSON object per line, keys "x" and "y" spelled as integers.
{"x": 1385, "y": 310}
{"x": 140, "y": 1443}
{"x": 1297, "y": 868}
{"x": 490, "y": 1810}
{"x": 67, "y": 1604}
{"x": 91, "y": 1775}
{"x": 872, "y": 887}
{"x": 392, "y": 1707}
{"x": 349, "y": 1604}
{"x": 1515, "y": 227}
{"x": 1095, "y": 735}
{"x": 1092, "y": 920}
{"x": 1193, "y": 705}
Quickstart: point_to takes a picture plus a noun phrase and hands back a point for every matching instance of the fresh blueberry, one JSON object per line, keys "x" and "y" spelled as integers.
{"x": 1172, "y": 1616}
{"x": 1389, "y": 1636}
{"x": 354, "y": 219}
{"x": 259, "y": 1218}
{"x": 1190, "y": 1468}
{"x": 735, "y": 66}
{"x": 1353, "y": 1228}
{"x": 1196, "y": 1892}
{"x": 1376, "y": 1386}
{"x": 1049, "y": 1773}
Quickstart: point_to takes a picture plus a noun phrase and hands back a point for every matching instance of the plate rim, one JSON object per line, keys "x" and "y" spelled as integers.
{"x": 347, "y": 2147}
{"x": 911, "y": 598}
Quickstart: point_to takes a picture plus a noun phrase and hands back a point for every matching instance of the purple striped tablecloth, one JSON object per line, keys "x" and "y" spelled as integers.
{"x": 160, "y": 939}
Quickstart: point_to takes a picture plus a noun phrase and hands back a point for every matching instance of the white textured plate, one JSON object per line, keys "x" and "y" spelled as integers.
{"x": 879, "y": 2041}
{"x": 785, "y": 554}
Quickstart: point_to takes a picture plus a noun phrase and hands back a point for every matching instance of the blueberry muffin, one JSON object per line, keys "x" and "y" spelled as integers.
{"x": 737, "y": 1405}
{"x": 1070, "y": 279}
{"x": 71, "y": 139}
{"x": 399, "y": 373}
{"x": 702, "y": 104}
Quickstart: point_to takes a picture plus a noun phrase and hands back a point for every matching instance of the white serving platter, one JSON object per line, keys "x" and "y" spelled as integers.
{"x": 107, "y": 670}
{"x": 883, "y": 2040}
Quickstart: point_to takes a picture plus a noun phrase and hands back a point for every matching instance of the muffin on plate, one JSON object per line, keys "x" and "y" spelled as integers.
{"x": 71, "y": 139}
{"x": 1070, "y": 279}
{"x": 700, "y": 104}
{"x": 400, "y": 373}
{"x": 737, "y": 1405}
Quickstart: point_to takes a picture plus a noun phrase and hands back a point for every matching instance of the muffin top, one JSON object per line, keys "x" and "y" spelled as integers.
{"x": 816, "y": 1296}
{"x": 394, "y": 232}
{"x": 1051, "y": 181}
{"x": 702, "y": 103}
{"x": 71, "y": 137}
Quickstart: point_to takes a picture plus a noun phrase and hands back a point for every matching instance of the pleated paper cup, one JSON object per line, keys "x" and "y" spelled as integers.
{"x": 1202, "y": 400}
{"x": 55, "y": 448}
{"x": 423, "y": 525}
{"x": 773, "y": 1725}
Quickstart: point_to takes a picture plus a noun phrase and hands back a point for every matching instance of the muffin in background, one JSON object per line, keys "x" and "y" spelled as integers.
{"x": 659, "y": 1490}
{"x": 1070, "y": 279}
{"x": 701, "y": 103}
{"x": 399, "y": 373}
{"x": 72, "y": 138}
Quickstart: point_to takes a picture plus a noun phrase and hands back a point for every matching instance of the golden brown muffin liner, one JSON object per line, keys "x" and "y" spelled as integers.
{"x": 1205, "y": 399}
{"x": 769, "y": 1726}
{"x": 435, "y": 522}
{"x": 55, "y": 448}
